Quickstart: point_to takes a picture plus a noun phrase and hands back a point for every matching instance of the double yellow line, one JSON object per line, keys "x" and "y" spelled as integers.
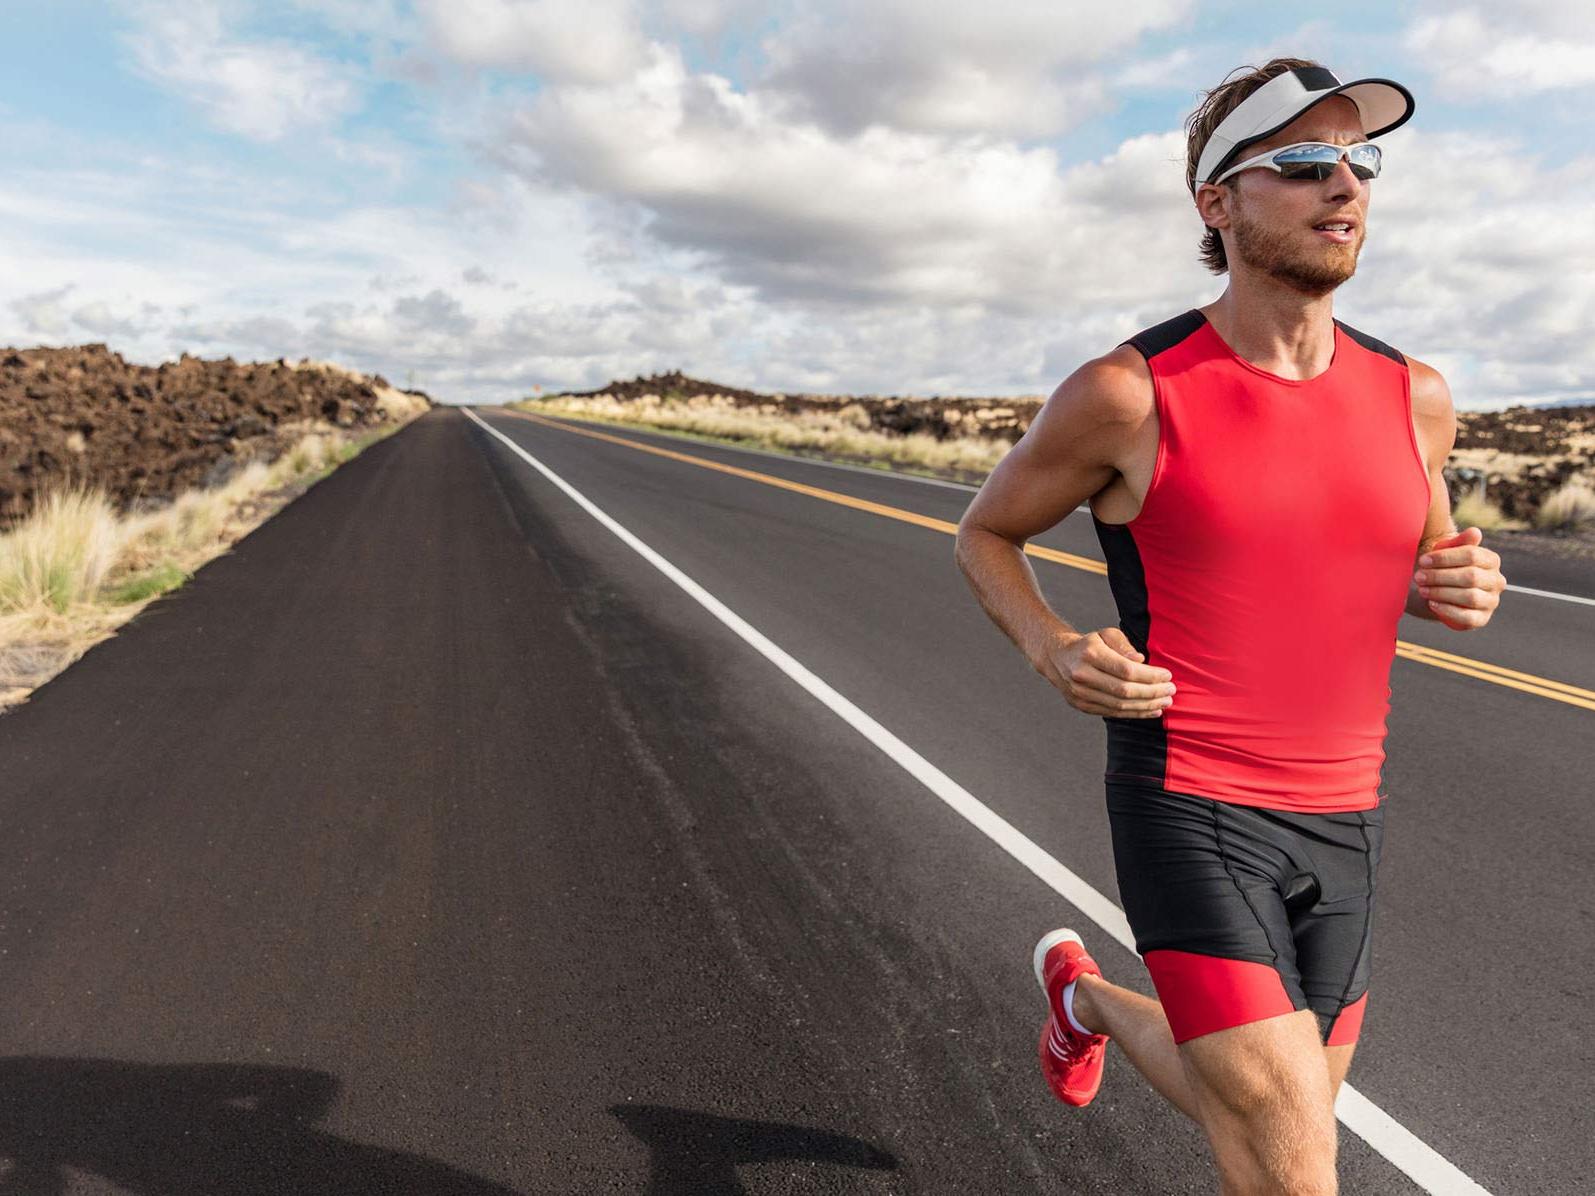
{"x": 1543, "y": 687}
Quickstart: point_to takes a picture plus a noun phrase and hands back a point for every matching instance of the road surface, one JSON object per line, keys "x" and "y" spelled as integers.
{"x": 435, "y": 840}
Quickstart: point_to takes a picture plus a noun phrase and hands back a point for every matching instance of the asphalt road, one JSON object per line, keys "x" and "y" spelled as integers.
{"x": 435, "y": 841}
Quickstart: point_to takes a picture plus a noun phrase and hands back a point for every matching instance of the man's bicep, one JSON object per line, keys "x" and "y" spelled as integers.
{"x": 1066, "y": 455}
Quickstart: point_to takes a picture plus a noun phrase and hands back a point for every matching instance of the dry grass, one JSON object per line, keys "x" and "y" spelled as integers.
{"x": 843, "y": 433}
{"x": 76, "y": 569}
{"x": 1472, "y": 511}
{"x": 1569, "y": 507}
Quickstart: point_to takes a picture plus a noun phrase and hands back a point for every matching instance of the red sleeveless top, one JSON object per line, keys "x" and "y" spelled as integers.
{"x": 1267, "y": 570}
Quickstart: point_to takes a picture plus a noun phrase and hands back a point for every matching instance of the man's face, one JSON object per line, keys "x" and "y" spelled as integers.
{"x": 1271, "y": 218}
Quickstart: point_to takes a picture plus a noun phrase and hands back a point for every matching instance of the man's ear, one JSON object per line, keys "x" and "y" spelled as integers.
{"x": 1210, "y": 204}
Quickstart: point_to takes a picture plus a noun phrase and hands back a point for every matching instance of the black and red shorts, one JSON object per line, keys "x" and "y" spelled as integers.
{"x": 1243, "y": 913}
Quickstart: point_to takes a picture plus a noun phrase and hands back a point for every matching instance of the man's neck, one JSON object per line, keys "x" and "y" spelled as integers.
{"x": 1281, "y": 331}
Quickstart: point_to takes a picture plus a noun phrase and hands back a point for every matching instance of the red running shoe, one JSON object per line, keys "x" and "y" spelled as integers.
{"x": 1070, "y": 1061}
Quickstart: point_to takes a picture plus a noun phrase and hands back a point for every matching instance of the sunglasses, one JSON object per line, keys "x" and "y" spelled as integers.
{"x": 1315, "y": 160}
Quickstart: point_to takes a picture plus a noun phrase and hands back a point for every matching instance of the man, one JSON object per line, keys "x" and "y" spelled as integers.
{"x": 1261, "y": 478}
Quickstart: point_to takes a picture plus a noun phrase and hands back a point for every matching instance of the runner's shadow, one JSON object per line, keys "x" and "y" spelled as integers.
{"x": 698, "y": 1153}
{"x": 226, "y": 1129}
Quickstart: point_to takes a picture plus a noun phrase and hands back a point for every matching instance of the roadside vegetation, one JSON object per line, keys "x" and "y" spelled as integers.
{"x": 843, "y": 433}
{"x": 1570, "y": 507}
{"x": 1472, "y": 511}
{"x": 76, "y": 568}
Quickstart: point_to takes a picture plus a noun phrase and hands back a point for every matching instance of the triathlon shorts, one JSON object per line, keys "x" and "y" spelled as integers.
{"x": 1242, "y": 913}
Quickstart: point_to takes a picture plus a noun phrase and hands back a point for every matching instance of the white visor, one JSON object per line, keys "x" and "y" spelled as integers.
{"x": 1383, "y": 103}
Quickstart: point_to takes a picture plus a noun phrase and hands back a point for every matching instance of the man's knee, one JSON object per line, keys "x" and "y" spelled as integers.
{"x": 1267, "y": 1102}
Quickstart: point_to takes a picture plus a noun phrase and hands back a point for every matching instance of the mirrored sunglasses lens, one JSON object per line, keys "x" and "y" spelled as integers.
{"x": 1319, "y": 161}
{"x": 1308, "y": 153}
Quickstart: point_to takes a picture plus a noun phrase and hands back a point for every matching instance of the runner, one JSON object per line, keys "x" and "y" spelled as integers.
{"x": 1261, "y": 477}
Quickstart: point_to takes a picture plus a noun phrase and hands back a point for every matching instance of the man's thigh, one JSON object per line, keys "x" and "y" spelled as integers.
{"x": 1262, "y": 1065}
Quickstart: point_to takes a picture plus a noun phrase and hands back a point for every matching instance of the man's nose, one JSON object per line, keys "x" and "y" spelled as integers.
{"x": 1344, "y": 179}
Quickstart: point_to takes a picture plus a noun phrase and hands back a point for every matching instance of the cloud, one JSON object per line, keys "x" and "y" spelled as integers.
{"x": 708, "y": 18}
{"x": 436, "y": 311}
{"x": 1024, "y": 68}
{"x": 273, "y": 336}
{"x": 1473, "y": 53}
{"x": 1502, "y": 257}
{"x": 98, "y": 318}
{"x": 260, "y": 89}
{"x": 571, "y": 40}
{"x": 42, "y": 312}
{"x": 800, "y": 213}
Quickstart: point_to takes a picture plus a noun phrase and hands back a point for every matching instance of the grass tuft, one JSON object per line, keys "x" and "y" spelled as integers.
{"x": 1571, "y": 506}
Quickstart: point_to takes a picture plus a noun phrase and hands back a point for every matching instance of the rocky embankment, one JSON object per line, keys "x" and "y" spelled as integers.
{"x": 147, "y": 433}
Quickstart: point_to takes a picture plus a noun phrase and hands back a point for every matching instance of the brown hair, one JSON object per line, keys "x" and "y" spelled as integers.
{"x": 1215, "y": 106}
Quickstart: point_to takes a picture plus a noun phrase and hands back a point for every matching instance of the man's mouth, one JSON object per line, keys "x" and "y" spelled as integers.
{"x": 1339, "y": 231}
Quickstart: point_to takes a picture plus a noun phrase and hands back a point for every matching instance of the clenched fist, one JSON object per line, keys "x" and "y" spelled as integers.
{"x": 1100, "y": 672}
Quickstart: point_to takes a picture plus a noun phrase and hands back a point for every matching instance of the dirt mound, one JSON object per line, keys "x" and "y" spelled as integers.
{"x": 146, "y": 433}
{"x": 675, "y": 384}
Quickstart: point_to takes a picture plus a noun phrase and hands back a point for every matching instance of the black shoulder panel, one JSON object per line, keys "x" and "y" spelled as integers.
{"x": 1368, "y": 342}
{"x": 1154, "y": 340}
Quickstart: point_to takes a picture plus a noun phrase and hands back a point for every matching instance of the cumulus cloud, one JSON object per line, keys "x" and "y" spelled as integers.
{"x": 99, "y": 319}
{"x": 45, "y": 314}
{"x": 436, "y": 311}
{"x": 800, "y": 213}
{"x": 1506, "y": 279}
{"x": 580, "y": 40}
{"x": 1024, "y": 68}
{"x": 707, "y": 18}
{"x": 42, "y": 312}
{"x": 261, "y": 89}
{"x": 1534, "y": 46}
{"x": 269, "y": 336}
{"x": 478, "y": 277}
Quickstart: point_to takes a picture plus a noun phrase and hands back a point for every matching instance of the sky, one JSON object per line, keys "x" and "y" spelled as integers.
{"x": 488, "y": 199}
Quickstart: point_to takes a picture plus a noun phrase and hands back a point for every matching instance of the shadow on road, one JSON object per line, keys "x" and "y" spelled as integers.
{"x": 227, "y": 1129}
{"x": 697, "y": 1153}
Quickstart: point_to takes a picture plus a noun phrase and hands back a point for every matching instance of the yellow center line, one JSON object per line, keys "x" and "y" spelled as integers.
{"x": 1544, "y": 687}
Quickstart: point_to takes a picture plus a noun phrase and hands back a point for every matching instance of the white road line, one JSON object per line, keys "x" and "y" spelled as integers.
{"x": 1424, "y": 1165}
{"x": 1551, "y": 594}
{"x": 1083, "y": 508}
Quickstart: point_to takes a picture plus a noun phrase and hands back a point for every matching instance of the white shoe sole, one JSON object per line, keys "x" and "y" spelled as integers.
{"x": 1047, "y": 943}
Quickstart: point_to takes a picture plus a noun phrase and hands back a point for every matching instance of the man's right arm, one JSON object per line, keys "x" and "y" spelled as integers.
{"x": 1069, "y": 452}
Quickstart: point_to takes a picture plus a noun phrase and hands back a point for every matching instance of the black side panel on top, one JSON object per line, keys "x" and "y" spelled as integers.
{"x": 1137, "y": 747}
{"x": 1368, "y": 342}
{"x": 1154, "y": 340}
{"x": 1126, "y": 578}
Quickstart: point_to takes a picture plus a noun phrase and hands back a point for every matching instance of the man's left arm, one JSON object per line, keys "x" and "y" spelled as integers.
{"x": 1457, "y": 582}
